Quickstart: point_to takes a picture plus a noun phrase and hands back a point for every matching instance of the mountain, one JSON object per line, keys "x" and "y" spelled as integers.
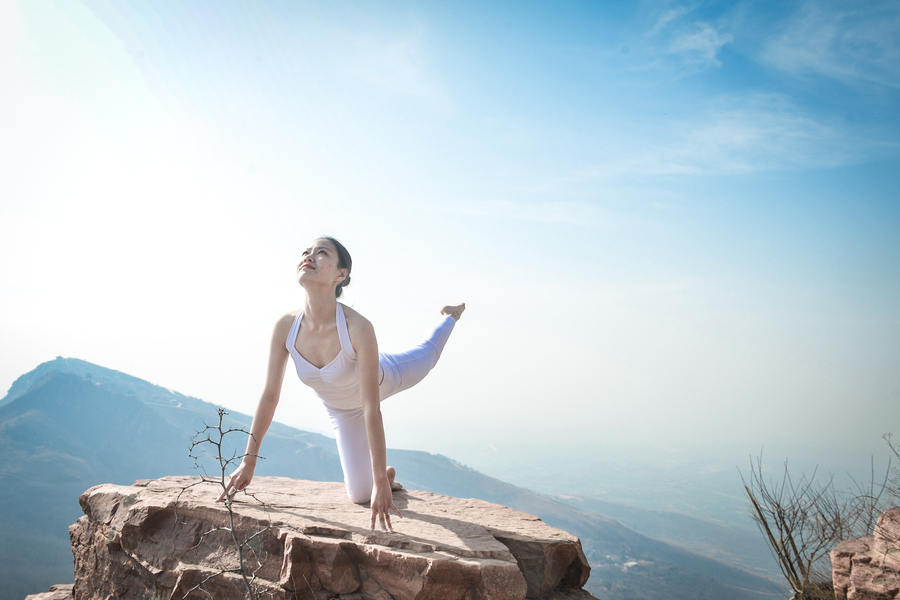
{"x": 724, "y": 542}
{"x": 69, "y": 425}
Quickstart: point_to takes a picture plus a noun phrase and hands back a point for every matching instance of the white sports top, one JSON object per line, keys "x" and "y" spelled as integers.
{"x": 337, "y": 383}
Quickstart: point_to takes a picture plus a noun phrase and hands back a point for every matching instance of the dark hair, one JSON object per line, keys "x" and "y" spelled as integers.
{"x": 344, "y": 262}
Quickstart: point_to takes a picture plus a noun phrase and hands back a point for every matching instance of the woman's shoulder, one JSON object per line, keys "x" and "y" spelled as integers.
{"x": 286, "y": 320}
{"x": 358, "y": 327}
{"x": 282, "y": 329}
{"x": 355, "y": 320}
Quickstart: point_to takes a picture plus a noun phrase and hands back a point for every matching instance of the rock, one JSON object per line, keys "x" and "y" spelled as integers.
{"x": 869, "y": 568}
{"x": 60, "y": 591}
{"x": 303, "y": 539}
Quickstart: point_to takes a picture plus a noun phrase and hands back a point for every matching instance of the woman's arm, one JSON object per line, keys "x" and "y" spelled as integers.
{"x": 366, "y": 346}
{"x": 265, "y": 410}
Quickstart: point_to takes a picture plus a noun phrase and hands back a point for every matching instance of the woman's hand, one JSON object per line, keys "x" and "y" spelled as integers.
{"x": 239, "y": 480}
{"x": 382, "y": 503}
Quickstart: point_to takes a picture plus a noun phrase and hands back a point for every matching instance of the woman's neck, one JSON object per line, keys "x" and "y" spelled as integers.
{"x": 320, "y": 307}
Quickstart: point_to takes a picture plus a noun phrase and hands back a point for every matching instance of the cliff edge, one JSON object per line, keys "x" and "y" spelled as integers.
{"x": 869, "y": 568}
{"x": 168, "y": 539}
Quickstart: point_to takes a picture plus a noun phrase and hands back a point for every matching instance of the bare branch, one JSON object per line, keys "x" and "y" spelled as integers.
{"x": 214, "y": 436}
{"x": 803, "y": 520}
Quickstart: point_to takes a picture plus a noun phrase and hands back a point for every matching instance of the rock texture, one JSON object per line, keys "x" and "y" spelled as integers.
{"x": 869, "y": 568}
{"x": 167, "y": 539}
{"x": 56, "y": 592}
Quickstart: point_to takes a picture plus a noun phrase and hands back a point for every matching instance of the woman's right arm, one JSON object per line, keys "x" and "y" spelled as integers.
{"x": 265, "y": 410}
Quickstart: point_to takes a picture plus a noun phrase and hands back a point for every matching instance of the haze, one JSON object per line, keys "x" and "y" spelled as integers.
{"x": 675, "y": 224}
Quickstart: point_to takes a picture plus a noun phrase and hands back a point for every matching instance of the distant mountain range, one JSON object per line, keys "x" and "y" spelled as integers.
{"x": 68, "y": 425}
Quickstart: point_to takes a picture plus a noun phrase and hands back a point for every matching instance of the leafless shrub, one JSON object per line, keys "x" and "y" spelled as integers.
{"x": 803, "y": 519}
{"x": 248, "y": 549}
{"x": 893, "y": 487}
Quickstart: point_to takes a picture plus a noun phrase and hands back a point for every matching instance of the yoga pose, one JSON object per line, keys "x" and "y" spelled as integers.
{"x": 335, "y": 352}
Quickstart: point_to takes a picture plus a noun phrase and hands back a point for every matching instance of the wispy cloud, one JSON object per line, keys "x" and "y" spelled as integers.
{"x": 700, "y": 46}
{"x": 398, "y": 65}
{"x": 763, "y": 132}
{"x": 667, "y": 17}
{"x": 543, "y": 212}
{"x": 851, "y": 42}
{"x": 681, "y": 41}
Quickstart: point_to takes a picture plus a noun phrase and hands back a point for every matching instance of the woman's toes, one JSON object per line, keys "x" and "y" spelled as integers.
{"x": 454, "y": 311}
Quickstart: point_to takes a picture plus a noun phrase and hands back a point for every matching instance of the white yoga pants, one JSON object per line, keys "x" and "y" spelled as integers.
{"x": 401, "y": 371}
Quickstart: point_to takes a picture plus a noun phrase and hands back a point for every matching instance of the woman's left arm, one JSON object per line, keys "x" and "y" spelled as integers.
{"x": 366, "y": 347}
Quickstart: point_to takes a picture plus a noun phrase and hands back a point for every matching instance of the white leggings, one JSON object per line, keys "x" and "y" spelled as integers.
{"x": 400, "y": 371}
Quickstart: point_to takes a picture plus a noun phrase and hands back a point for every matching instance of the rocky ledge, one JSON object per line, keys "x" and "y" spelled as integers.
{"x": 869, "y": 568}
{"x": 168, "y": 539}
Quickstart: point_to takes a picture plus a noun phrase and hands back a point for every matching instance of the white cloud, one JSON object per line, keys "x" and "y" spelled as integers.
{"x": 398, "y": 65}
{"x": 673, "y": 14}
{"x": 851, "y": 43}
{"x": 700, "y": 46}
{"x": 543, "y": 212}
{"x": 680, "y": 41}
{"x": 762, "y": 132}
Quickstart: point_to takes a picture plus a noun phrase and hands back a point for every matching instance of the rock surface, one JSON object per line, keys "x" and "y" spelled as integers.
{"x": 869, "y": 568}
{"x": 56, "y": 592}
{"x": 166, "y": 538}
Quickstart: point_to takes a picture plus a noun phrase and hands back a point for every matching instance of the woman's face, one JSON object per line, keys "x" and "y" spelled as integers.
{"x": 320, "y": 263}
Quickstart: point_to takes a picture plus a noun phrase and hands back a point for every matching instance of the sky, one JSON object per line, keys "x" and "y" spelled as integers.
{"x": 675, "y": 224}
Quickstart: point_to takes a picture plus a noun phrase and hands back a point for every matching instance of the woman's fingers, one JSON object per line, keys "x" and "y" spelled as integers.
{"x": 383, "y": 516}
{"x": 383, "y": 519}
{"x": 225, "y": 492}
{"x": 378, "y": 517}
{"x": 238, "y": 481}
{"x": 231, "y": 487}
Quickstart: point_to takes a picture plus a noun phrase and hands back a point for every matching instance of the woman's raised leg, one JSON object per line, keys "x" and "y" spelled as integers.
{"x": 402, "y": 370}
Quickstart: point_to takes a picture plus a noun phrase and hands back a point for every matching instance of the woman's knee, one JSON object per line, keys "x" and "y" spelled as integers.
{"x": 359, "y": 493}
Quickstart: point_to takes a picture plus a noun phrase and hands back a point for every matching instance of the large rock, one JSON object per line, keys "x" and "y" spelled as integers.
{"x": 869, "y": 568}
{"x": 160, "y": 539}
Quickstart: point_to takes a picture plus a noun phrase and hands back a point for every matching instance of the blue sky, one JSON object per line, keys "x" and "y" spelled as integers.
{"x": 674, "y": 223}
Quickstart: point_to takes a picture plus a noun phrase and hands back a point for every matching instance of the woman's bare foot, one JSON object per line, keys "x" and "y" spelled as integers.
{"x": 392, "y": 473}
{"x": 454, "y": 311}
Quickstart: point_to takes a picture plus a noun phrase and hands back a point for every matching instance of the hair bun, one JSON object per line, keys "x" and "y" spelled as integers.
{"x": 346, "y": 282}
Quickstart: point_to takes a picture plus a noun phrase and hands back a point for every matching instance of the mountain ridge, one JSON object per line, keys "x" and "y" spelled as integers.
{"x": 148, "y": 426}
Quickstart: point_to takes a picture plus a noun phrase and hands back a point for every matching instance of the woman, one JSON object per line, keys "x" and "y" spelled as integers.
{"x": 335, "y": 352}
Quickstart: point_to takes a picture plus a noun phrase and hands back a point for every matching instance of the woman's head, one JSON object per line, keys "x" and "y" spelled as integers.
{"x": 344, "y": 262}
{"x": 328, "y": 257}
